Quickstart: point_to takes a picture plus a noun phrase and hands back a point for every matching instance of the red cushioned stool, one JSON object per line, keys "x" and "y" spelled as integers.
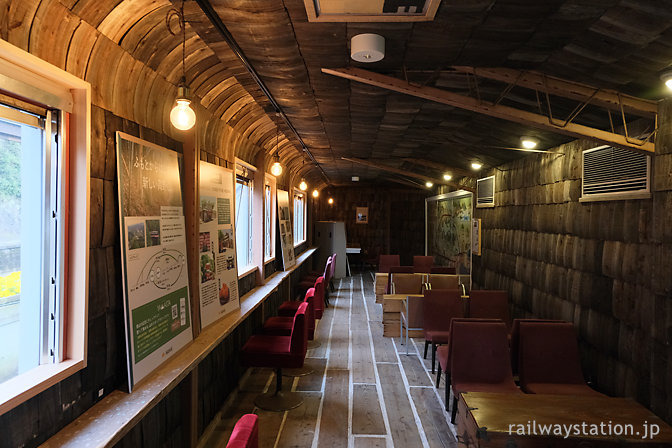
{"x": 280, "y": 352}
{"x": 246, "y": 433}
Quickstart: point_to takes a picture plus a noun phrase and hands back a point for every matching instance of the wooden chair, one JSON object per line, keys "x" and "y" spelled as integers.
{"x": 443, "y": 281}
{"x": 548, "y": 360}
{"x": 480, "y": 360}
{"x": 396, "y": 270}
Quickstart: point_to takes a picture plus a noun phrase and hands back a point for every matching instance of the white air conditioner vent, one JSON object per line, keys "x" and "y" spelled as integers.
{"x": 614, "y": 173}
{"x": 485, "y": 192}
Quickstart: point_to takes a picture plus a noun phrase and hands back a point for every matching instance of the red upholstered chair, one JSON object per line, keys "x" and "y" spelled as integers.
{"x": 385, "y": 262}
{"x": 442, "y": 270}
{"x": 423, "y": 263}
{"x": 396, "y": 270}
{"x": 439, "y": 306}
{"x": 443, "y": 355}
{"x": 288, "y": 309}
{"x": 279, "y": 352}
{"x": 548, "y": 360}
{"x": 515, "y": 338}
{"x": 246, "y": 432}
{"x": 489, "y": 304}
{"x": 480, "y": 360}
{"x": 309, "y": 282}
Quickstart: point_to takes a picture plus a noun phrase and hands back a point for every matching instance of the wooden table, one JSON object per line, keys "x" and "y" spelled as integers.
{"x": 515, "y": 420}
{"x": 392, "y": 304}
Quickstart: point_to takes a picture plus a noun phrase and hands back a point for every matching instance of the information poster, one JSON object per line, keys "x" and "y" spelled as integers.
{"x": 217, "y": 244}
{"x": 153, "y": 255}
{"x": 449, "y": 226}
{"x": 286, "y": 237}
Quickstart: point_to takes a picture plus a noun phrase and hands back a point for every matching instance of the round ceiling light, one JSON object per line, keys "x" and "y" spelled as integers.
{"x": 303, "y": 186}
{"x": 429, "y": 184}
{"x": 529, "y": 142}
{"x": 476, "y": 165}
{"x": 367, "y": 47}
{"x": 666, "y": 77}
{"x": 316, "y": 193}
{"x": 447, "y": 177}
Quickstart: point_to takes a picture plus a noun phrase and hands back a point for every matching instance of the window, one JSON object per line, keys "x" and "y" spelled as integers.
{"x": 299, "y": 218}
{"x": 243, "y": 223}
{"x": 269, "y": 222}
{"x": 44, "y": 232}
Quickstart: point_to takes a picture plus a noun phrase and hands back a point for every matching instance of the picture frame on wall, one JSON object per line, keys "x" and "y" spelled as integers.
{"x": 362, "y": 215}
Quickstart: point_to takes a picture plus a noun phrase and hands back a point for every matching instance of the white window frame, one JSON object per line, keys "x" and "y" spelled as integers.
{"x": 270, "y": 215}
{"x": 29, "y": 77}
{"x": 245, "y": 170}
{"x": 300, "y": 239}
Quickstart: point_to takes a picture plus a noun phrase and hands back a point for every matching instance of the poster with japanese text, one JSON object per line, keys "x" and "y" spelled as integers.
{"x": 153, "y": 255}
{"x": 286, "y": 234}
{"x": 217, "y": 244}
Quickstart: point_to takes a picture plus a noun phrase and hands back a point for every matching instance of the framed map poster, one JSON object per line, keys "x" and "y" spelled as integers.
{"x": 448, "y": 220}
{"x": 218, "y": 279}
{"x": 285, "y": 227}
{"x": 153, "y": 255}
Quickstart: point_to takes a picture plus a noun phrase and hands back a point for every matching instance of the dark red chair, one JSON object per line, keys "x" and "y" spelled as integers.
{"x": 246, "y": 433}
{"x": 396, "y": 270}
{"x": 490, "y": 304}
{"x": 288, "y": 309}
{"x": 385, "y": 262}
{"x": 423, "y": 263}
{"x": 443, "y": 355}
{"x": 515, "y": 337}
{"x": 279, "y": 352}
{"x": 442, "y": 270}
{"x": 439, "y": 306}
{"x": 549, "y": 360}
{"x": 309, "y": 282}
{"x": 480, "y": 360}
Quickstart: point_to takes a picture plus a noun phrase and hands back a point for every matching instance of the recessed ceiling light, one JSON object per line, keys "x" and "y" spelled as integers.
{"x": 429, "y": 184}
{"x": 476, "y": 165}
{"x": 529, "y": 142}
{"x": 447, "y": 177}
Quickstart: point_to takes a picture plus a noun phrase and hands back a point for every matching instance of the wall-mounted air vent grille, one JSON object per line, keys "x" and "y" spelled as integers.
{"x": 614, "y": 173}
{"x": 485, "y": 192}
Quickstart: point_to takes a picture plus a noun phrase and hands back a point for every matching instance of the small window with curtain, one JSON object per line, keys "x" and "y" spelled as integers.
{"x": 243, "y": 220}
{"x": 299, "y": 218}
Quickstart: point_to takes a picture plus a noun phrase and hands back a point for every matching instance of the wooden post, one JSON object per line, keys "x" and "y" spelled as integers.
{"x": 190, "y": 163}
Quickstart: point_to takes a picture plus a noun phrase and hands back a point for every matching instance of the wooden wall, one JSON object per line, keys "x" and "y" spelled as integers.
{"x": 396, "y": 218}
{"x": 602, "y": 265}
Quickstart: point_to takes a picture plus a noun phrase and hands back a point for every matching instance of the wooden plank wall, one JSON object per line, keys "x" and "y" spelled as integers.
{"x": 133, "y": 87}
{"x": 602, "y": 265}
{"x": 396, "y": 218}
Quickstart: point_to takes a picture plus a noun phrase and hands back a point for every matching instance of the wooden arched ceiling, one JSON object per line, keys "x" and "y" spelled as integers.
{"x": 612, "y": 44}
{"x": 125, "y": 50}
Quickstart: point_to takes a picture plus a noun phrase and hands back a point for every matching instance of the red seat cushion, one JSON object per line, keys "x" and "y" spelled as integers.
{"x": 270, "y": 351}
{"x": 246, "y": 433}
{"x": 437, "y": 337}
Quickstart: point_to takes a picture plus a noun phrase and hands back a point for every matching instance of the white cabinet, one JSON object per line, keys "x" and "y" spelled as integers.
{"x": 330, "y": 239}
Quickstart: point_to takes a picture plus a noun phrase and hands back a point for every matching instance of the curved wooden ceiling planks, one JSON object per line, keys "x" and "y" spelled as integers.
{"x": 124, "y": 49}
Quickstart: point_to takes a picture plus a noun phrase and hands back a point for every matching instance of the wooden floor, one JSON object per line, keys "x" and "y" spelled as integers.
{"x": 365, "y": 392}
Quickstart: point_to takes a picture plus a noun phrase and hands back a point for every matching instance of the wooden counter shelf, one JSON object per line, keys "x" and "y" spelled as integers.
{"x": 110, "y": 419}
{"x": 484, "y": 420}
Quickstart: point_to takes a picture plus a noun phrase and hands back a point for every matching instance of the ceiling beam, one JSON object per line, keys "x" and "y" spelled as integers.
{"x": 609, "y": 99}
{"x": 439, "y": 166}
{"x": 408, "y": 183}
{"x": 390, "y": 169}
{"x": 487, "y": 108}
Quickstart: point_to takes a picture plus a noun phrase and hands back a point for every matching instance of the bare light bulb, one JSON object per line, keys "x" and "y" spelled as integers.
{"x": 276, "y": 169}
{"x": 316, "y": 193}
{"x": 331, "y": 201}
{"x": 303, "y": 186}
{"x": 182, "y": 116}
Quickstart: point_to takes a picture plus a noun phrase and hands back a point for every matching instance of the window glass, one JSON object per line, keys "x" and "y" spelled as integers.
{"x": 28, "y": 192}
{"x": 299, "y": 218}
{"x": 268, "y": 223}
{"x": 243, "y": 223}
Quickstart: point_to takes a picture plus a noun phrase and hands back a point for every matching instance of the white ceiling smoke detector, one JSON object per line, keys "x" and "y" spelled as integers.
{"x": 367, "y": 47}
{"x": 355, "y": 178}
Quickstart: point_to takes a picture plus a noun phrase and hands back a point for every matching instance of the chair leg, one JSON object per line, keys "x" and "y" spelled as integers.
{"x": 454, "y": 412}
{"x": 426, "y": 346}
{"x": 447, "y": 400}
{"x": 438, "y": 376}
{"x": 278, "y": 400}
{"x": 433, "y": 356}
